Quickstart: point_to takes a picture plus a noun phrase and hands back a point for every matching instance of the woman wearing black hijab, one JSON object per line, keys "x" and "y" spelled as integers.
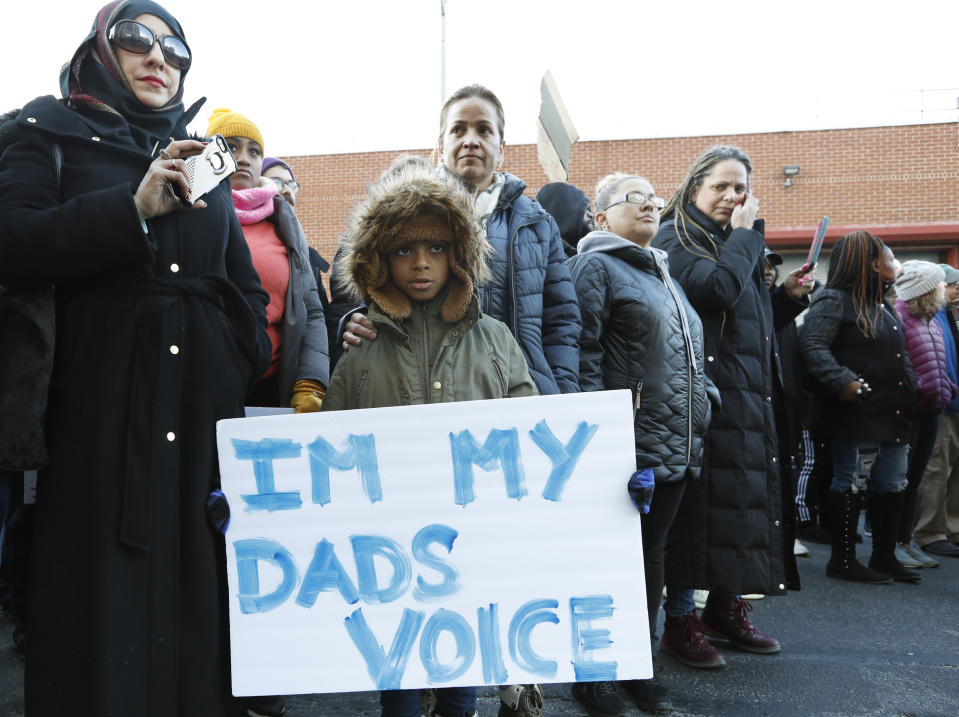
{"x": 160, "y": 330}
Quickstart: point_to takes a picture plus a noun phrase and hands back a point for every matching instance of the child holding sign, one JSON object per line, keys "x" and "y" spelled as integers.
{"x": 414, "y": 254}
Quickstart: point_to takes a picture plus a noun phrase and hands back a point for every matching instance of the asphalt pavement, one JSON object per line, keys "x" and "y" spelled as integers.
{"x": 849, "y": 650}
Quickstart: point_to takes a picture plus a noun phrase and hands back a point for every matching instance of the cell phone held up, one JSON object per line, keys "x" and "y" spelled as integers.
{"x": 206, "y": 170}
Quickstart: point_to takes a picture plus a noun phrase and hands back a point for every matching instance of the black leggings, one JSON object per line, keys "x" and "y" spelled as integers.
{"x": 656, "y": 524}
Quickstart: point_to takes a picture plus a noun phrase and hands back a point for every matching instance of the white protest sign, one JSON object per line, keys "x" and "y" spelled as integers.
{"x": 483, "y": 542}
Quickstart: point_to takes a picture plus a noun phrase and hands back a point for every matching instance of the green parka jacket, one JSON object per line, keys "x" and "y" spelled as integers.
{"x": 423, "y": 359}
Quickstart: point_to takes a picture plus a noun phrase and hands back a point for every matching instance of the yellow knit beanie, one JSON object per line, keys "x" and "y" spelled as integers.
{"x": 233, "y": 124}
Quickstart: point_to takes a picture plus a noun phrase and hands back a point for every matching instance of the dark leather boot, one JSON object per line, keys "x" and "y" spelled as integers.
{"x": 885, "y": 508}
{"x": 725, "y": 616}
{"x": 844, "y": 510}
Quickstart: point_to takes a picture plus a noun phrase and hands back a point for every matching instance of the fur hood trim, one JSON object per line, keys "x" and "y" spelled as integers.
{"x": 376, "y": 222}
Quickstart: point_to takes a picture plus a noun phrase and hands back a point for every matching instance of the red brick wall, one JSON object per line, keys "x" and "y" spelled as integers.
{"x": 901, "y": 176}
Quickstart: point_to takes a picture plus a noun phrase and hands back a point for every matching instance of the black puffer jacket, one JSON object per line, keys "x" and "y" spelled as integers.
{"x": 640, "y": 333}
{"x": 732, "y": 536}
{"x": 836, "y": 352}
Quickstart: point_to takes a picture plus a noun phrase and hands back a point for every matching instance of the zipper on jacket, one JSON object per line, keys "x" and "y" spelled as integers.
{"x": 690, "y": 357}
{"x": 427, "y": 364}
{"x": 511, "y": 273}
{"x": 502, "y": 379}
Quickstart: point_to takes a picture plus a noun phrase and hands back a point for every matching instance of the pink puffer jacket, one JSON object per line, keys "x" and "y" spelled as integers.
{"x": 927, "y": 351}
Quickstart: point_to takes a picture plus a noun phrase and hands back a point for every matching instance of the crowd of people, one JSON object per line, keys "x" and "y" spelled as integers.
{"x": 763, "y": 409}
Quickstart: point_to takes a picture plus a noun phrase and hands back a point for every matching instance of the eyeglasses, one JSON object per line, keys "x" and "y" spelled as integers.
{"x": 640, "y": 198}
{"x": 137, "y": 38}
{"x": 292, "y": 184}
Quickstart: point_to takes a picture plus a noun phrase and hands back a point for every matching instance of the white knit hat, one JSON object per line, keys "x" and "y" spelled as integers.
{"x": 918, "y": 278}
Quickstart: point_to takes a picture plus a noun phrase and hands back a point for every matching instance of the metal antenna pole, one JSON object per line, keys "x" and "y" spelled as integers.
{"x": 442, "y": 51}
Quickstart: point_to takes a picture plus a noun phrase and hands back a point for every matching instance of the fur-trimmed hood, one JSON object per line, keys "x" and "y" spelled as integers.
{"x": 398, "y": 197}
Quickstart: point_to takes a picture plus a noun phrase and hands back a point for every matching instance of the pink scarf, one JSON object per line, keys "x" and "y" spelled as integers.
{"x": 253, "y": 205}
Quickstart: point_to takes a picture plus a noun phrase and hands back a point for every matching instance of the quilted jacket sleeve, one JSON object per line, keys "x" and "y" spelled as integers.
{"x": 561, "y": 318}
{"x": 592, "y": 285}
{"x": 714, "y": 284}
{"x": 816, "y": 336}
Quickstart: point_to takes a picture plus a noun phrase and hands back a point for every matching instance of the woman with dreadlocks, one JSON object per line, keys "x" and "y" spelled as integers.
{"x": 853, "y": 345}
{"x": 733, "y": 538}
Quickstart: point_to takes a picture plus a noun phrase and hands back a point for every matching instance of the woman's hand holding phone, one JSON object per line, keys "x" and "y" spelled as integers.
{"x": 165, "y": 182}
{"x": 800, "y": 281}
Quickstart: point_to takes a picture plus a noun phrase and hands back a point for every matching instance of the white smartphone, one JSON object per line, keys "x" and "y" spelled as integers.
{"x": 206, "y": 170}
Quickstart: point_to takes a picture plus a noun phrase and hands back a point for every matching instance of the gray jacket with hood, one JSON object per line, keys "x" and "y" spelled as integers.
{"x": 640, "y": 333}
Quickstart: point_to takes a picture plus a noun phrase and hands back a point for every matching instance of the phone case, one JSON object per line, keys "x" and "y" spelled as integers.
{"x": 205, "y": 171}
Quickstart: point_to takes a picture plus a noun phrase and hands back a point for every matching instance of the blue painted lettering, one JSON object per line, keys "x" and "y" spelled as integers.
{"x": 501, "y": 447}
{"x": 444, "y": 535}
{"x": 326, "y": 572}
{"x": 386, "y": 670}
{"x": 249, "y": 553}
{"x": 262, "y": 453}
{"x": 456, "y": 625}
{"x": 585, "y": 638}
{"x": 365, "y": 547}
{"x": 491, "y": 650}
{"x": 563, "y": 458}
{"x": 521, "y": 627}
{"x": 359, "y": 453}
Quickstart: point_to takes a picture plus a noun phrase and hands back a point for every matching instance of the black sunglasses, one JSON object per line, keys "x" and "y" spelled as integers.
{"x": 137, "y": 38}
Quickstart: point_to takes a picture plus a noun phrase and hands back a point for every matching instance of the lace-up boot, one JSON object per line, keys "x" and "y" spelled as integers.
{"x": 521, "y": 701}
{"x": 727, "y": 617}
{"x": 599, "y": 698}
{"x": 684, "y": 639}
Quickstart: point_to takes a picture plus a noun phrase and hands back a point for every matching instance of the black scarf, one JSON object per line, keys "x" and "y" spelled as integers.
{"x": 95, "y": 85}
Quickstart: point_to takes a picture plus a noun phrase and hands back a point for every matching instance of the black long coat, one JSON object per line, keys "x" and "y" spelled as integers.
{"x": 158, "y": 336}
{"x": 729, "y": 533}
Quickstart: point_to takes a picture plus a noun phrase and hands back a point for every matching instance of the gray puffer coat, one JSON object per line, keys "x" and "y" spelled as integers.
{"x": 640, "y": 333}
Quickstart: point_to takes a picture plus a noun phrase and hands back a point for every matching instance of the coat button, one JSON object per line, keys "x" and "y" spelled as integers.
{"x": 174, "y": 349}
{"x": 95, "y": 139}
{"x": 456, "y": 333}
{"x": 900, "y": 383}
{"x": 775, "y": 460}
{"x": 437, "y": 385}
{"x": 174, "y": 268}
{"x": 895, "y": 328}
{"x": 776, "y": 523}
{"x": 897, "y": 411}
{"x": 171, "y": 436}
{"x": 781, "y": 586}
{"x": 898, "y": 441}
{"x": 710, "y": 358}
{"x": 898, "y": 355}
{"x": 32, "y": 120}
{"x": 769, "y": 398}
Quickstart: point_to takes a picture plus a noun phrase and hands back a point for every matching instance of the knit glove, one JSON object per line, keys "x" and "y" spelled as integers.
{"x": 307, "y": 396}
{"x": 641, "y": 483}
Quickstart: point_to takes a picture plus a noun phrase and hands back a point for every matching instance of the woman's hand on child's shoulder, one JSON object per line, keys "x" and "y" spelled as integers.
{"x": 359, "y": 327}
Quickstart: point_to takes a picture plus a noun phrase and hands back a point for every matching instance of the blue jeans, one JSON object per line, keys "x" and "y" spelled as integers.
{"x": 858, "y": 463}
{"x": 450, "y": 701}
{"x": 679, "y": 601}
